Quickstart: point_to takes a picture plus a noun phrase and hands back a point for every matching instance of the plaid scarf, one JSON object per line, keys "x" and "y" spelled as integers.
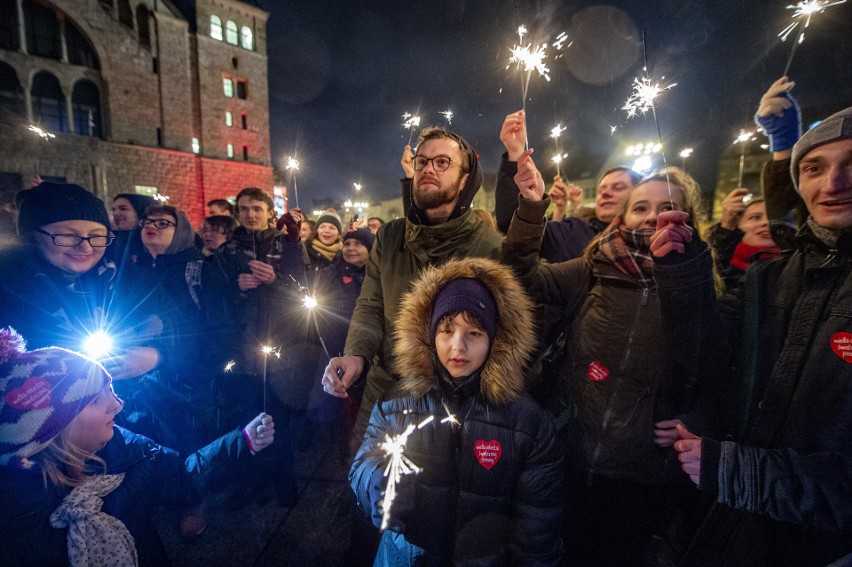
{"x": 629, "y": 250}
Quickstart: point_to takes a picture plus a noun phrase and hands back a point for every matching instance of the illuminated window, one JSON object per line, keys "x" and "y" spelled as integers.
{"x": 148, "y": 190}
{"x": 247, "y": 38}
{"x": 231, "y": 35}
{"x": 231, "y": 151}
{"x": 228, "y": 86}
{"x": 196, "y": 146}
{"x": 229, "y": 119}
{"x": 216, "y": 27}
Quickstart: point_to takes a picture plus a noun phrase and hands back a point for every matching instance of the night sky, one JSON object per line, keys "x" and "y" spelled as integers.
{"x": 341, "y": 74}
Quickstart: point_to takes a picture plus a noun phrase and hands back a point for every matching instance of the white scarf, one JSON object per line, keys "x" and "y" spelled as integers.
{"x": 95, "y": 539}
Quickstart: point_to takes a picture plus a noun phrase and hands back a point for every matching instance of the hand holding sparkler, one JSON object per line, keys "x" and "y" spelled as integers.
{"x": 341, "y": 373}
{"x": 528, "y": 179}
{"x": 779, "y": 116}
{"x": 672, "y": 234}
{"x": 260, "y": 433}
{"x": 733, "y": 207}
{"x": 262, "y": 271}
{"x": 407, "y": 162}
{"x": 134, "y": 361}
{"x": 513, "y": 134}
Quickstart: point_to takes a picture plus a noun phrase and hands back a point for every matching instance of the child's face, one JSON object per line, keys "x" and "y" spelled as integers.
{"x": 462, "y": 346}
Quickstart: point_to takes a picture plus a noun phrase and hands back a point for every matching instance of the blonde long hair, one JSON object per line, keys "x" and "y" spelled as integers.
{"x": 65, "y": 464}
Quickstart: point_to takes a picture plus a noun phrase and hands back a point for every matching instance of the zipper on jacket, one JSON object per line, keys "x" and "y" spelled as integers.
{"x": 832, "y": 254}
{"x": 643, "y": 301}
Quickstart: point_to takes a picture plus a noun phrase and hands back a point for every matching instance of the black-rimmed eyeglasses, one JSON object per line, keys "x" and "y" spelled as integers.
{"x": 159, "y": 224}
{"x": 439, "y": 162}
{"x": 72, "y": 240}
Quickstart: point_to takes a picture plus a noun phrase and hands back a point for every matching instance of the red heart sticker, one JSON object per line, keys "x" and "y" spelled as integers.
{"x": 597, "y": 371}
{"x": 488, "y": 452}
{"x": 33, "y": 394}
{"x": 347, "y": 279}
{"x": 841, "y": 344}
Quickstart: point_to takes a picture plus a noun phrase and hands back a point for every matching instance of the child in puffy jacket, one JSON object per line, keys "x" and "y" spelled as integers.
{"x": 490, "y": 487}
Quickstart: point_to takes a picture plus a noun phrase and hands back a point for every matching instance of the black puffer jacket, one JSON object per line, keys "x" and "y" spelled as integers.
{"x": 617, "y": 380}
{"x": 777, "y": 352}
{"x": 469, "y": 507}
{"x": 154, "y": 476}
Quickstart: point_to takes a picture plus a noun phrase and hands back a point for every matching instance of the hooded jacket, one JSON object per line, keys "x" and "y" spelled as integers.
{"x": 491, "y": 489}
{"x": 402, "y": 249}
{"x": 776, "y": 350}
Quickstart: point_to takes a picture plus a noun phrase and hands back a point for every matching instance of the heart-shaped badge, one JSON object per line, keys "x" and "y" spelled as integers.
{"x": 488, "y": 452}
{"x": 841, "y": 344}
{"x": 347, "y": 279}
{"x": 597, "y": 371}
{"x": 33, "y": 394}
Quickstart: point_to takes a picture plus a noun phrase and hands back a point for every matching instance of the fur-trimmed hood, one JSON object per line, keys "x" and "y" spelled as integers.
{"x": 503, "y": 376}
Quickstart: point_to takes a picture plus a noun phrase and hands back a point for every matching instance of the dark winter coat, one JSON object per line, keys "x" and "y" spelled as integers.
{"x": 776, "y": 352}
{"x": 563, "y": 240}
{"x": 154, "y": 476}
{"x": 616, "y": 382}
{"x": 491, "y": 487}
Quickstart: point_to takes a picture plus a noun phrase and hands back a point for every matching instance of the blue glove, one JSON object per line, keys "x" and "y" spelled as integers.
{"x": 785, "y": 130}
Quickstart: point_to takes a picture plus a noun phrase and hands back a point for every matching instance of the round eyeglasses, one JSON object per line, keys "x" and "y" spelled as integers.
{"x": 72, "y": 240}
{"x": 439, "y": 162}
{"x": 159, "y": 224}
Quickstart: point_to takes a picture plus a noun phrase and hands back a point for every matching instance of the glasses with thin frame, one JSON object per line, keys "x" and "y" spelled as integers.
{"x": 72, "y": 240}
{"x": 439, "y": 162}
{"x": 159, "y": 224}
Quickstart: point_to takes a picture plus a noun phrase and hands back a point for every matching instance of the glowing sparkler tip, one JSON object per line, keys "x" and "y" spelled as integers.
{"x": 161, "y": 198}
{"x": 44, "y": 134}
{"x": 556, "y": 131}
{"x": 309, "y": 301}
{"x": 448, "y": 115}
{"x": 410, "y": 121}
{"x": 98, "y": 345}
{"x": 230, "y": 366}
{"x": 744, "y": 136}
{"x": 558, "y": 158}
{"x": 292, "y": 163}
{"x": 641, "y": 100}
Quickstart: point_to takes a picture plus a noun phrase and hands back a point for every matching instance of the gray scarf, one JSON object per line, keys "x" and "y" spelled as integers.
{"x": 95, "y": 539}
{"x": 829, "y": 236}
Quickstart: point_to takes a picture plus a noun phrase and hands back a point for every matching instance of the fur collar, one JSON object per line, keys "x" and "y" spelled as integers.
{"x": 503, "y": 376}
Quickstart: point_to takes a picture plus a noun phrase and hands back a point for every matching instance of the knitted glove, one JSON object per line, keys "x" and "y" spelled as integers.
{"x": 780, "y": 116}
{"x": 291, "y": 226}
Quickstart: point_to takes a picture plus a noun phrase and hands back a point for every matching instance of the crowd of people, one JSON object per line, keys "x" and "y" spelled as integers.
{"x": 617, "y": 384}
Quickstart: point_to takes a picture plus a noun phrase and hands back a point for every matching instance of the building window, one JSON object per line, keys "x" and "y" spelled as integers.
{"x": 48, "y": 103}
{"x": 245, "y": 153}
{"x": 42, "y": 30}
{"x": 231, "y": 35}
{"x": 247, "y": 38}
{"x": 8, "y": 25}
{"x": 245, "y": 121}
{"x": 80, "y": 50}
{"x": 229, "y": 119}
{"x": 11, "y": 93}
{"x": 228, "y": 86}
{"x": 125, "y": 13}
{"x": 231, "y": 151}
{"x": 148, "y": 190}
{"x": 242, "y": 89}
{"x": 196, "y": 146}
{"x": 142, "y": 26}
{"x": 86, "y": 106}
{"x": 216, "y": 27}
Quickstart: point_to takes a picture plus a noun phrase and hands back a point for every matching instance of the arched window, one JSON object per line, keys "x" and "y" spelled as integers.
{"x": 48, "y": 103}
{"x": 11, "y": 93}
{"x": 142, "y": 25}
{"x": 42, "y": 30}
{"x": 216, "y": 27}
{"x": 8, "y": 25}
{"x": 86, "y": 106}
{"x": 125, "y": 13}
{"x": 231, "y": 33}
{"x": 247, "y": 38}
{"x": 80, "y": 50}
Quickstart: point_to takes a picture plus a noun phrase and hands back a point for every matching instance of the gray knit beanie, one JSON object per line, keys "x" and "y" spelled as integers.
{"x": 836, "y": 127}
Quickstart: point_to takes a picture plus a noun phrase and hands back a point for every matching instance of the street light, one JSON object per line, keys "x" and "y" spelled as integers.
{"x": 684, "y": 154}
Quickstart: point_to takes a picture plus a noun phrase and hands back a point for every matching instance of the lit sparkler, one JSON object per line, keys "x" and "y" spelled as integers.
{"x": 448, "y": 116}
{"x": 684, "y": 155}
{"x": 612, "y": 129}
{"x": 43, "y": 134}
{"x": 555, "y": 133}
{"x": 530, "y": 59}
{"x": 266, "y": 350}
{"x": 803, "y": 11}
{"x": 309, "y": 301}
{"x": 399, "y": 464}
{"x": 98, "y": 345}
{"x": 357, "y": 186}
{"x": 410, "y": 122}
{"x": 559, "y": 43}
{"x": 293, "y": 167}
{"x": 744, "y": 137}
{"x": 229, "y": 367}
{"x": 161, "y": 198}
{"x": 641, "y": 100}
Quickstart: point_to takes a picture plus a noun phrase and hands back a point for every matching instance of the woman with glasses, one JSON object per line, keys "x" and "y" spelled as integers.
{"x": 59, "y": 288}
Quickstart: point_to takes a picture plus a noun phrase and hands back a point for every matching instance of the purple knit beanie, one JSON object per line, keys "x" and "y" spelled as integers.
{"x": 41, "y": 392}
{"x": 466, "y": 295}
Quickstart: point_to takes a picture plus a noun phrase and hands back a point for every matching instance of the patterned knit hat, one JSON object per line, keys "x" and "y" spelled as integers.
{"x": 41, "y": 392}
{"x": 331, "y": 218}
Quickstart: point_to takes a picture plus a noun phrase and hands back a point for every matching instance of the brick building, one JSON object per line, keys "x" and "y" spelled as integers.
{"x": 148, "y": 96}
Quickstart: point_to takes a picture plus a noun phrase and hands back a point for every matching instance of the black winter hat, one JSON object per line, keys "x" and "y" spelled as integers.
{"x": 466, "y": 295}
{"x": 48, "y": 202}
{"x": 362, "y": 235}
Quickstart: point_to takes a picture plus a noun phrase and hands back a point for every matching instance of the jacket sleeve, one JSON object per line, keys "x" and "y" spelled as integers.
{"x": 559, "y": 284}
{"x": 368, "y": 460}
{"x": 222, "y": 462}
{"x": 538, "y": 503}
{"x": 367, "y": 327}
{"x": 505, "y": 193}
{"x": 784, "y": 206}
{"x": 788, "y": 486}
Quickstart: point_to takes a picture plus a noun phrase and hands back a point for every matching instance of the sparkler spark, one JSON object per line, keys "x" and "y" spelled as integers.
{"x": 161, "y": 198}
{"x": 556, "y": 131}
{"x": 642, "y": 98}
{"x": 448, "y": 115}
{"x": 230, "y": 366}
{"x": 410, "y": 121}
{"x": 744, "y": 136}
{"x": 559, "y": 43}
{"x": 612, "y": 129}
{"x": 292, "y": 163}
{"x": 805, "y": 10}
{"x": 309, "y": 301}
{"x": 557, "y": 159}
{"x": 531, "y": 59}
{"x": 399, "y": 464}
{"x": 44, "y": 134}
